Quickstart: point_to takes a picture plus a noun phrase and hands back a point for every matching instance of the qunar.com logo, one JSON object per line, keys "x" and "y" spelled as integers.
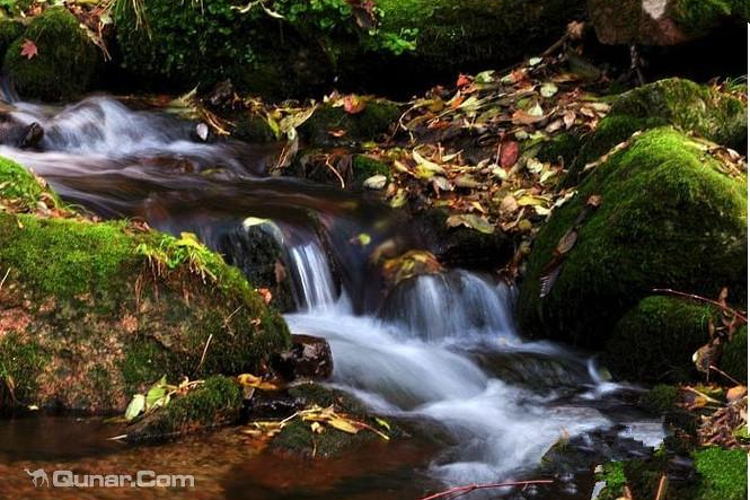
{"x": 141, "y": 479}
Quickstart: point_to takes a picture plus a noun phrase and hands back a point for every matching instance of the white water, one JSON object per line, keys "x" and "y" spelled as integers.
{"x": 418, "y": 366}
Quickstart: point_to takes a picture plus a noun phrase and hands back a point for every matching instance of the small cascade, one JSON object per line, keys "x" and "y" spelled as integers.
{"x": 456, "y": 304}
{"x": 315, "y": 288}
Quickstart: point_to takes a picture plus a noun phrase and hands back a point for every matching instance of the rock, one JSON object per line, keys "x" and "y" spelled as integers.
{"x": 309, "y": 358}
{"x": 462, "y": 246}
{"x": 707, "y": 112}
{"x": 216, "y": 403}
{"x": 409, "y": 265}
{"x": 66, "y": 63}
{"x": 669, "y": 216}
{"x": 255, "y": 247}
{"x": 107, "y": 317}
{"x": 734, "y": 357}
{"x": 655, "y": 341}
{"x": 321, "y": 129}
{"x": 10, "y": 30}
{"x": 661, "y": 22}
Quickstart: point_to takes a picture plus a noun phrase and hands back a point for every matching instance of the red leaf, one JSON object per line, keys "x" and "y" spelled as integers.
{"x": 28, "y": 49}
{"x": 463, "y": 81}
{"x": 509, "y": 154}
{"x": 353, "y": 104}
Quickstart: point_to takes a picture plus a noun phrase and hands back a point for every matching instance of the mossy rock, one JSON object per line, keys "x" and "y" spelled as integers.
{"x": 368, "y": 125}
{"x": 216, "y": 403}
{"x": 10, "y": 30}
{"x": 707, "y": 112}
{"x": 670, "y": 216}
{"x": 253, "y": 129}
{"x": 67, "y": 61}
{"x": 734, "y": 356}
{"x": 297, "y": 437}
{"x": 655, "y": 341}
{"x": 94, "y": 312}
{"x": 20, "y": 189}
{"x": 723, "y": 474}
{"x": 364, "y": 167}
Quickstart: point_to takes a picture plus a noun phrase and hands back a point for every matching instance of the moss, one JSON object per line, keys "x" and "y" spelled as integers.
{"x": 613, "y": 476}
{"x": 710, "y": 113}
{"x": 20, "y": 188}
{"x": 723, "y": 474}
{"x": 660, "y": 399}
{"x": 10, "y": 30}
{"x": 217, "y": 402}
{"x": 734, "y": 357}
{"x": 66, "y": 63}
{"x": 655, "y": 341}
{"x": 669, "y": 218}
{"x": 453, "y": 36}
{"x": 698, "y": 17}
{"x": 253, "y": 129}
{"x": 21, "y": 361}
{"x": 365, "y": 167}
{"x": 562, "y": 147}
{"x": 367, "y": 125}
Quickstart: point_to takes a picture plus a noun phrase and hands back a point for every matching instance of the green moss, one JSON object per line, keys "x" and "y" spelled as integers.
{"x": 655, "y": 341}
{"x": 614, "y": 477}
{"x": 254, "y": 129}
{"x": 669, "y": 218}
{"x": 734, "y": 357}
{"x": 10, "y": 30}
{"x": 367, "y": 125}
{"x": 562, "y": 147}
{"x": 660, "y": 399}
{"x": 698, "y": 17}
{"x": 723, "y": 474}
{"x": 217, "y": 402}
{"x": 20, "y": 188}
{"x": 66, "y": 63}
{"x": 365, "y": 167}
{"x": 21, "y": 361}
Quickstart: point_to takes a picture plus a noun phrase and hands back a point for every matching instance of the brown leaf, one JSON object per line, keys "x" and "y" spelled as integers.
{"x": 736, "y": 393}
{"x": 509, "y": 154}
{"x": 29, "y": 49}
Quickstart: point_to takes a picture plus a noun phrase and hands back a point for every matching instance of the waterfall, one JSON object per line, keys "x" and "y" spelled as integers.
{"x": 314, "y": 285}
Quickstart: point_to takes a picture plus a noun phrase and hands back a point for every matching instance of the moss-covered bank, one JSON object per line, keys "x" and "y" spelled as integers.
{"x": 665, "y": 214}
{"x": 92, "y": 312}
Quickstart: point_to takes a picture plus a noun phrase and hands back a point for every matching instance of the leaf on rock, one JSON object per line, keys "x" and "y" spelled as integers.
{"x": 136, "y": 407}
{"x": 29, "y": 49}
{"x": 472, "y": 221}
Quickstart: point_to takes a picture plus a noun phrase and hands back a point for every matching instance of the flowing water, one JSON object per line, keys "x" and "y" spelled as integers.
{"x": 441, "y": 354}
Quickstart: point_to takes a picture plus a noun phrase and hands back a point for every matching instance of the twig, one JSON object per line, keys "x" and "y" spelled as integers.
{"x": 729, "y": 377}
{"x": 718, "y": 304}
{"x": 462, "y": 490}
{"x": 205, "y": 350}
{"x": 4, "y": 278}
{"x": 662, "y": 487}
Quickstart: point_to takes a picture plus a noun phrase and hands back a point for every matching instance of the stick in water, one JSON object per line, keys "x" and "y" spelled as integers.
{"x": 462, "y": 490}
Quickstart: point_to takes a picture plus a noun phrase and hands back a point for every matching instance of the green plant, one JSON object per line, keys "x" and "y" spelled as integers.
{"x": 170, "y": 253}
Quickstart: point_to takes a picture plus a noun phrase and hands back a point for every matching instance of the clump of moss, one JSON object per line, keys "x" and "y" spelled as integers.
{"x": 723, "y": 474}
{"x": 367, "y": 125}
{"x": 66, "y": 63}
{"x": 655, "y": 341}
{"x": 698, "y": 17}
{"x": 20, "y": 188}
{"x": 668, "y": 217}
{"x": 660, "y": 399}
{"x": 734, "y": 357}
{"x": 217, "y": 402}
{"x": 253, "y": 129}
{"x": 21, "y": 361}
{"x": 365, "y": 167}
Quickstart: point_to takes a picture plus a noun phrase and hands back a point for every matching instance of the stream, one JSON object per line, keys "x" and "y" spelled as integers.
{"x": 441, "y": 356}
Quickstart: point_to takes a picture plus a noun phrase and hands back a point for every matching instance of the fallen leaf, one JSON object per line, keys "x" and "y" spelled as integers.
{"x": 29, "y": 49}
{"x": 354, "y": 104}
{"x": 472, "y": 221}
{"x": 509, "y": 154}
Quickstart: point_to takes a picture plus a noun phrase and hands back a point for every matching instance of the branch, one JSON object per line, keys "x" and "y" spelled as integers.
{"x": 718, "y": 304}
{"x": 462, "y": 490}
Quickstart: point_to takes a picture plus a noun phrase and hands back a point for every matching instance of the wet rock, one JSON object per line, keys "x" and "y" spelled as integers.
{"x": 66, "y": 63}
{"x": 309, "y": 358}
{"x": 664, "y": 214}
{"x": 109, "y": 316}
{"x": 409, "y": 265}
{"x": 332, "y": 126}
{"x": 661, "y": 22}
{"x": 216, "y": 403}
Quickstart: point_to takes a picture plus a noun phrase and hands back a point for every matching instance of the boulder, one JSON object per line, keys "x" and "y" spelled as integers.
{"x": 94, "y": 312}
{"x": 66, "y": 63}
{"x": 661, "y": 22}
{"x": 662, "y": 212}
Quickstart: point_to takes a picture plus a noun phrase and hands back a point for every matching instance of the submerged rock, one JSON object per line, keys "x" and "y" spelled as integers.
{"x": 66, "y": 62}
{"x": 93, "y": 312}
{"x": 660, "y": 213}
